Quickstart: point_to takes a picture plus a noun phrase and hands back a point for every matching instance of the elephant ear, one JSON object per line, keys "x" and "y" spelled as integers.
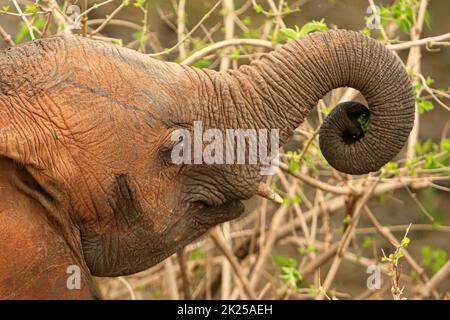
{"x": 13, "y": 144}
{"x": 36, "y": 260}
{"x": 23, "y": 79}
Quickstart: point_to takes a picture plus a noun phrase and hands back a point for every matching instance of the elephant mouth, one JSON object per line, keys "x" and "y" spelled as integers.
{"x": 209, "y": 214}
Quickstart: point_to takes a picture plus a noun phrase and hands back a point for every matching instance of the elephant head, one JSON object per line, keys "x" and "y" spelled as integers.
{"x": 91, "y": 125}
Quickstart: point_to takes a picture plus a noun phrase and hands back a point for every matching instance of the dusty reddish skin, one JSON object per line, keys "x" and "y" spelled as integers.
{"x": 34, "y": 256}
{"x": 86, "y": 177}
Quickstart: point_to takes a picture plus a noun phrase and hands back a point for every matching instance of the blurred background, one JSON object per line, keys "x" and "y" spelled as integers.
{"x": 289, "y": 251}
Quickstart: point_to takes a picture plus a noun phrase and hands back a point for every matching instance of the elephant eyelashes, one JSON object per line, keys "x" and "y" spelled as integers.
{"x": 167, "y": 149}
{"x": 165, "y": 156}
{"x": 200, "y": 204}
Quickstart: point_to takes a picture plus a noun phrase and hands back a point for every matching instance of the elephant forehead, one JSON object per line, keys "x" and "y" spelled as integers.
{"x": 98, "y": 68}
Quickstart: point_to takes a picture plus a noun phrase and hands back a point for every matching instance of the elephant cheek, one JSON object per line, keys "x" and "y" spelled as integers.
{"x": 122, "y": 253}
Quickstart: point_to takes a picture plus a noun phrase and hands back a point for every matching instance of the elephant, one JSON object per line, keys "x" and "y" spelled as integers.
{"x": 86, "y": 176}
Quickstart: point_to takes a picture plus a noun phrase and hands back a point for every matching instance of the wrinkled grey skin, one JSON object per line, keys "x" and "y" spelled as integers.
{"x": 90, "y": 125}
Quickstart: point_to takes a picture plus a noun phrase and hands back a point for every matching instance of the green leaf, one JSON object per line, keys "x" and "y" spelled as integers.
{"x": 429, "y": 81}
{"x": 137, "y": 35}
{"x": 5, "y": 8}
{"x": 425, "y": 106}
{"x": 440, "y": 258}
{"x": 322, "y": 290}
{"x": 311, "y": 249}
{"x": 22, "y": 33}
{"x": 325, "y": 110}
{"x": 445, "y": 145}
{"x": 363, "y": 120}
{"x": 367, "y": 242}
{"x": 431, "y": 162}
{"x": 202, "y": 63}
{"x": 291, "y": 276}
{"x": 422, "y": 148}
{"x": 116, "y": 41}
{"x": 30, "y": 8}
{"x": 258, "y": 8}
{"x": 305, "y": 30}
{"x": 347, "y": 220}
{"x": 366, "y": 31}
{"x": 236, "y": 54}
{"x": 310, "y": 163}
{"x": 139, "y": 3}
{"x": 196, "y": 254}
{"x": 289, "y": 33}
{"x": 436, "y": 225}
{"x": 402, "y": 13}
{"x": 405, "y": 242}
{"x": 247, "y": 21}
{"x": 313, "y": 26}
{"x": 392, "y": 167}
{"x": 427, "y": 19}
{"x": 398, "y": 255}
{"x": 302, "y": 250}
{"x": 293, "y": 166}
{"x": 283, "y": 261}
{"x": 427, "y": 255}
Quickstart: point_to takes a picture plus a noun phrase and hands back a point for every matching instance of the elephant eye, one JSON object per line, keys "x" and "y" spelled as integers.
{"x": 166, "y": 151}
{"x": 165, "y": 155}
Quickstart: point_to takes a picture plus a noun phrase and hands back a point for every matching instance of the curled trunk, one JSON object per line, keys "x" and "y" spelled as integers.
{"x": 286, "y": 84}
